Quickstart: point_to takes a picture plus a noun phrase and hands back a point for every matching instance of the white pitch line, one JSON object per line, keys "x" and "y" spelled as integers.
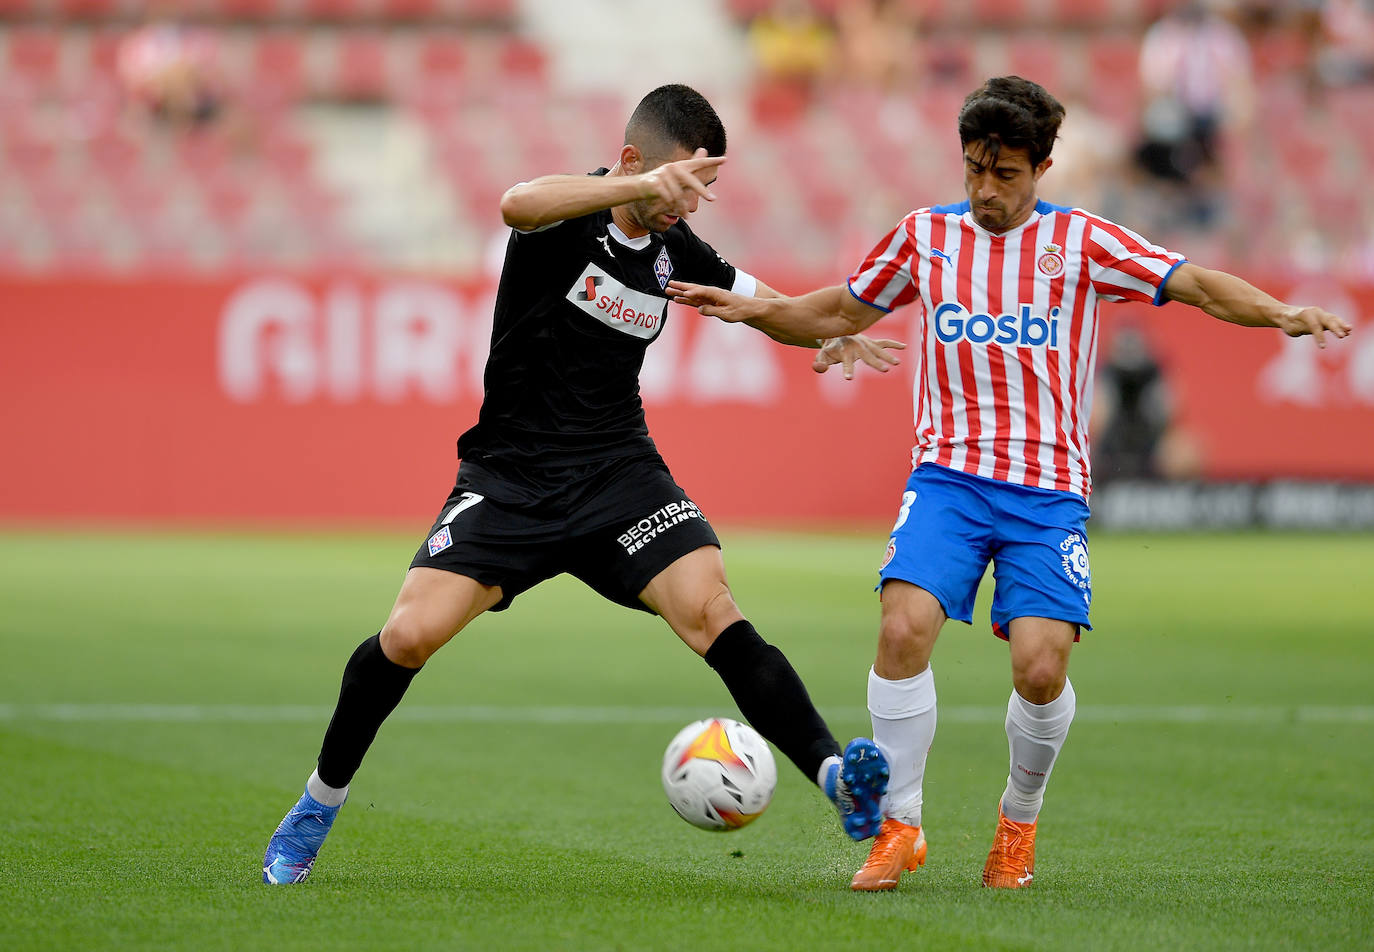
{"x": 498, "y": 714}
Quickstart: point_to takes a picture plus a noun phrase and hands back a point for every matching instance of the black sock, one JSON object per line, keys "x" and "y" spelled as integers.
{"x": 772, "y": 697}
{"x": 373, "y": 685}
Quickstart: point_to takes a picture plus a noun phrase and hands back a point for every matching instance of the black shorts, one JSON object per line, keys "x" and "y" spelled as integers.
{"x": 615, "y": 530}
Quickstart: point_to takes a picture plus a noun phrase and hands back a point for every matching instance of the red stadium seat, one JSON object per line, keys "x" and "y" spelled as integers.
{"x": 1038, "y": 57}
{"x": 442, "y": 58}
{"x": 253, "y": 9}
{"x": 34, "y": 55}
{"x": 336, "y": 10}
{"x": 360, "y": 66}
{"x": 95, "y": 9}
{"x": 410, "y": 9}
{"x": 277, "y": 69}
{"x": 999, "y": 13}
{"x": 521, "y": 59}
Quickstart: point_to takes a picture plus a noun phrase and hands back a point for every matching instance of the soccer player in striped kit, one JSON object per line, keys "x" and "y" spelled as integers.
{"x": 1009, "y": 287}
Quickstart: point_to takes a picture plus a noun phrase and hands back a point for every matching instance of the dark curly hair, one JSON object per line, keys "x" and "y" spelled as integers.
{"x": 1013, "y": 112}
{"x": 672, "y": 116}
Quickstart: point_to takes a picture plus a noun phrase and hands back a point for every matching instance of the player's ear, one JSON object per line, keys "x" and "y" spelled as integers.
{"x": 1043, "y": 167}
{"x": 631, "y": 159}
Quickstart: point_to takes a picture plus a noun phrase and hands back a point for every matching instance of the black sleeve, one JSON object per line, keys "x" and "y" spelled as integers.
{"x": 699, "y": 263}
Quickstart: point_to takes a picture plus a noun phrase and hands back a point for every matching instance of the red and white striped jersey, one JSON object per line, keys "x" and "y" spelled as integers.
{"x": 1009, "y": 332}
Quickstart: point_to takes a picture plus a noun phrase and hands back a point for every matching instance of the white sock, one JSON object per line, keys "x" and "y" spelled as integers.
{"x": 324, "y": 794}
{"x": 1035, "y": 735}
{"x": 825, "y": 770}
{"x": 903, "y": 728}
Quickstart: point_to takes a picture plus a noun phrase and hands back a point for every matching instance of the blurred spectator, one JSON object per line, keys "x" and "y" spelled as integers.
{"x": 876, "y": 45}
{"x": 1346, "y": 53}
{"x": 1134, "y": 436}
{"x": 1197, "y": 82}
{"x": 169, "y": 68}
{"x": 793, "y": 50}
{"x": 1090, "y": 157}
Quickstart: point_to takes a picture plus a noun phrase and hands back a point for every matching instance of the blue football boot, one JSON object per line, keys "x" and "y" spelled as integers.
{"x": 292, "y": 850}
{"x": 857, "y": 786}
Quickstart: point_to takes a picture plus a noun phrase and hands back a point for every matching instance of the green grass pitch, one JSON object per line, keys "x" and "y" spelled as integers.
{"x": 162, "y": 698}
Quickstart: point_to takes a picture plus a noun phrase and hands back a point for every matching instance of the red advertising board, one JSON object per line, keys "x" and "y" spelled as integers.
{"x": 337, "y": 400}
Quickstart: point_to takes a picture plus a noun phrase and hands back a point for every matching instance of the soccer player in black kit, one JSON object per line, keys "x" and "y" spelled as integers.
{"x": 560, "y": 475}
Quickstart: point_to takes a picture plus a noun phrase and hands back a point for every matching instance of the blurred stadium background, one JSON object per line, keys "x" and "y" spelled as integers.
{"x": 247, "y": 246}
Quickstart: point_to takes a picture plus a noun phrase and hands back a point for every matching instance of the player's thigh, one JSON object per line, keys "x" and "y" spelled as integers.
{"x": 941, "y": 542}
{"x": 1040, "y": 568}
{"x": 642, "y": 531}
{"x": 494, "y": 539}
{"x": 693, "y": 597}
{"x": 432, "y": 606}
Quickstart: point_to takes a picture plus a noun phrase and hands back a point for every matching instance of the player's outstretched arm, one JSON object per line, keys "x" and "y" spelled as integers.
{"x": 554, "y": 198}
{"x": 829, "y": 312}
{"x": 1229, "y": 298}
{"x": 847, "y": 351}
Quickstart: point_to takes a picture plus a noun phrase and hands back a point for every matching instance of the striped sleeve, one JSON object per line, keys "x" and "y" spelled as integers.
{"x": 886, "y": 279}
{"x": 1123, "y": 266}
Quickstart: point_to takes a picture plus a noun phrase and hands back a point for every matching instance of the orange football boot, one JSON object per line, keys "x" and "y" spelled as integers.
{"x": 898, "y": 847}
{"x": 1011, "y": 861}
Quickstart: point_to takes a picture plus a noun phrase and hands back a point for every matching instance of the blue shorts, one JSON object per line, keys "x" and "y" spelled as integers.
{"x": 952, "y": 524}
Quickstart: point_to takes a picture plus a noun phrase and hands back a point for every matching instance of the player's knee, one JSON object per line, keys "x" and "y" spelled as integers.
{"x": 1040, "y": 680}
{"x": 407, "y": 641}
{"x": 909, "y": 631}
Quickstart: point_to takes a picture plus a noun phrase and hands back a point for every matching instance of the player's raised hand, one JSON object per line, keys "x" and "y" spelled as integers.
{"x": 1300, "y": 321}
{"x": 855, "y": 347}
{"x": 711, "y": 301}
{"x": 678, "y": 185}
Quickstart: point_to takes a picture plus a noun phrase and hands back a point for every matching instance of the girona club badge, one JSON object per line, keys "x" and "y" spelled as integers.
{"x": 1051, "y": 261}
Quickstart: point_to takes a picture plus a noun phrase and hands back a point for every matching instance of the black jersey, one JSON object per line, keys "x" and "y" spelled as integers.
{"x": 575, "y": 310}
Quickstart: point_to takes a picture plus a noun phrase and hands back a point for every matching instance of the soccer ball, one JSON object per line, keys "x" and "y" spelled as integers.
{"x": 719, "y": 774}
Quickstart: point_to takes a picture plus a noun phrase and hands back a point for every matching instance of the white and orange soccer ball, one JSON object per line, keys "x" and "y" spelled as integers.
{"x": 719, "y": 774}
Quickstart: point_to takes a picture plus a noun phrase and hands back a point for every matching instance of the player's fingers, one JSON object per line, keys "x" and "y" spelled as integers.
{"x": 879, "y": 360}
{"x": 848, "y": 360}
{"x": 891, "y": 344}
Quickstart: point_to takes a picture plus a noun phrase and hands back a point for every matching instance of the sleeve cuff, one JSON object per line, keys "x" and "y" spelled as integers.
{"x": 745, "y": 283}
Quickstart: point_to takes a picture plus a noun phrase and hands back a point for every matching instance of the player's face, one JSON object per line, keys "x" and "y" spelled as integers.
{"x": 658, "y": 216}
{"x": 1001, "y": 190}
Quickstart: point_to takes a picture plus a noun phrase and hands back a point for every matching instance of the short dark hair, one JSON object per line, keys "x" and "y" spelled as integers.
{"x": 675, "y": 116}
{"x": 1013, "y": 112}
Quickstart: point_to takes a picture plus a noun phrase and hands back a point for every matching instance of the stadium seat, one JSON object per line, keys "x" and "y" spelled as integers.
{"x": 34, "y": 55}
{"x": 360, "y": 69}
{"x": 409, "y": 9}
{"x": 277, "y": 66}
{"x": 253, "y": 10}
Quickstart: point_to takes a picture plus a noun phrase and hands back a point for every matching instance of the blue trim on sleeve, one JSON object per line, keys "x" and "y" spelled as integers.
{"x": 885, "y": 310}
{"x": 956, "y": 209}
{"x": 1159, "y": 292}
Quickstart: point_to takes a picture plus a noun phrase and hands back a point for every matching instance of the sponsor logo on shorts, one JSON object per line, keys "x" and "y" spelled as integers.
{"x": 649, "y": 528}
{"x": 887, "y": 556}
{"x": 663, "y": 268}
{"x": 613, "y": 304}
{"x": 440, "y": 541}
{"x": 1073, "y": 556}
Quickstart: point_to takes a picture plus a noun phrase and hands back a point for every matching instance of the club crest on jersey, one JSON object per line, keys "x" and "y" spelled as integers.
{"x": 440, "y": 541}
{"x": 618, "y": 307}
{"x": 1051, "y": 261}
{"x": 663, "y": 268}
